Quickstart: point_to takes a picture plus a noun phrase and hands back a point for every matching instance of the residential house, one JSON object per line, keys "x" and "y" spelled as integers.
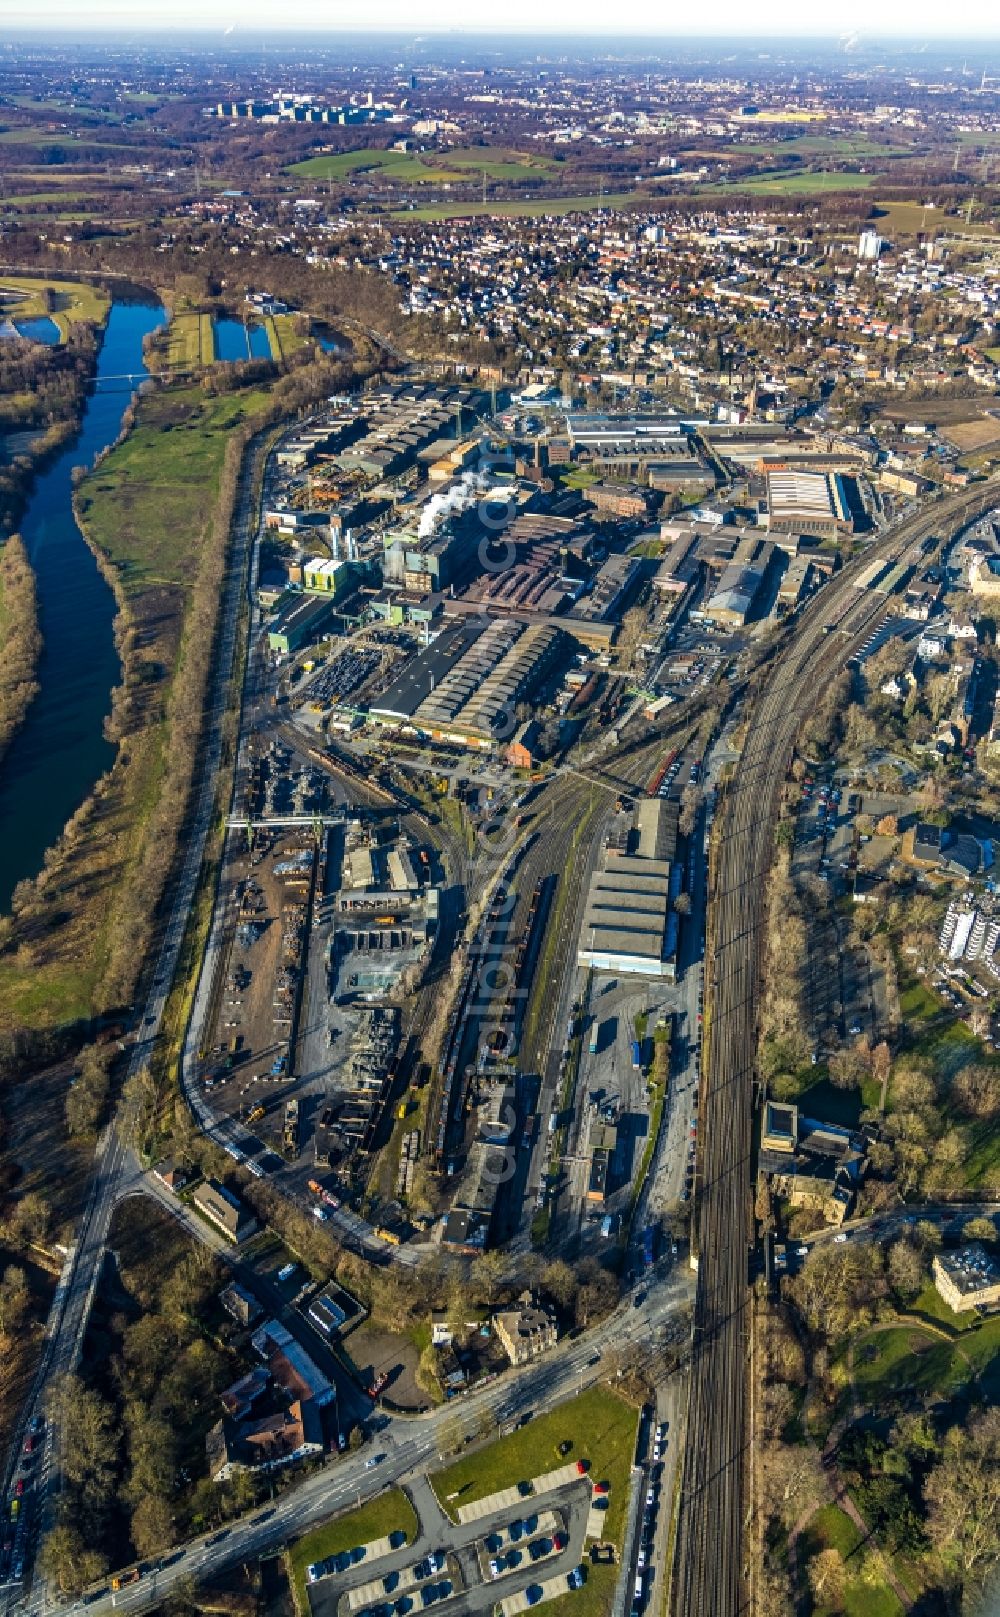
{"x": 527, "y": 1331}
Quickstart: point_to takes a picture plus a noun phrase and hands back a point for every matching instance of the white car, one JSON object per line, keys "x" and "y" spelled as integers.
{"x": 840, "y": 1239}
{"x": 801, "y": 1251}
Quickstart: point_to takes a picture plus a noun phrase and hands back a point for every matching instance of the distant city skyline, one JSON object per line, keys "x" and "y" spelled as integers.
{"x": 909, "y": 19}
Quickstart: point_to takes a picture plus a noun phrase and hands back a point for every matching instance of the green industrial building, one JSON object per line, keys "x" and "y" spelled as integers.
{"x": 322, "y": 577}
{"x": 299, "y": 623}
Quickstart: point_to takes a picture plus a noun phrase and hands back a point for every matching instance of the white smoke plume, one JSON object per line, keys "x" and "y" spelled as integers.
{"x": 468, "y": 491}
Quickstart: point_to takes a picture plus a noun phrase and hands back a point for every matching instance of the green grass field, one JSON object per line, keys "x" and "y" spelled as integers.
{"x": 832, "y": 1529}
{"x": 190, "y": 341}
{"x": 149, "y": 502}
{"x": 498, "y": 163}
{"x": 800, "y": 182}
{"x": 390, "y": 1512}
{"x": 35, "y": 199}
{"x": 891, "y": 1364}
{"x": 909, "y": 218}
{"x": 36, "y": 137}
{"x": 149, "y": 507}
{"x": 931, "y": 1303}
{"x": 284, "y": 335}
{"x": 408, "y": 166}
{"x": 579, "y": 477}
{"x": 842, "y": 146}
{"x": 66, "y": 107}
{"x": 601, "y": 1428}
{"x": 420, "y": 168}
{"x": 918, "y": 1004}
{"x": 71, "y": 301}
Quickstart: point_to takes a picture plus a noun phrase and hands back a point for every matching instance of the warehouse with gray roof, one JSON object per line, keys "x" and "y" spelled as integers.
{"x": 628, "y": 924}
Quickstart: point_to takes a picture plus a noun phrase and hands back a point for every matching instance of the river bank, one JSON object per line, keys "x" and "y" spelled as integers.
{"x": 43, "y": 397}
{"x": 152, "y": 519}
{"x": 20, "y": 639}
{"x": 60, "y": 752}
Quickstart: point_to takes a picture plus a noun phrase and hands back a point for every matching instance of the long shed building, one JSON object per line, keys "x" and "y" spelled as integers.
{"x": 628, "y": 925}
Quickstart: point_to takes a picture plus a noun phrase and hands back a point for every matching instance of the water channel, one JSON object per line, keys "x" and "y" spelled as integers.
{"x": 235, "y": 341}
{"x": 60, "y": 751}
{"x": 38, "y": 329}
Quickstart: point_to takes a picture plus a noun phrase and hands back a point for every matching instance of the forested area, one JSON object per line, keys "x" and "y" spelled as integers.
{"x": 42, "y": 390}
{"x": 134, "y": 1424}
{"x": 876, "y": 1406}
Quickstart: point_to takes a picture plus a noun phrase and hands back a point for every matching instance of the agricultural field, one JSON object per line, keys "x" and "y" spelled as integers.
{"x": 801, "y": 182}
{"x": 36, "y": 137}
{"x": 407, "y": 166}
{"x": 39, "y": 199}
{"x": 841, "y": 146}
{"x": 532, "y": 208}
{"x": 450, "y": 167}
{"x": 498, "y": 163}
{"x": 969, "y": 436}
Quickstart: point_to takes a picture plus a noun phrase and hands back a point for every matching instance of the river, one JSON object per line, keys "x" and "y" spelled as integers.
{"x": 60, "y": 751}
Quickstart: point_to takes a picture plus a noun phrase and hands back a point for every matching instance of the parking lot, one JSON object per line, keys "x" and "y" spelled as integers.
{"x": 453, "y": 1567}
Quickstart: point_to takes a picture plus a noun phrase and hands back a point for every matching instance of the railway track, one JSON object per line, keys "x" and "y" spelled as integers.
{"x": 712, "y": 1572}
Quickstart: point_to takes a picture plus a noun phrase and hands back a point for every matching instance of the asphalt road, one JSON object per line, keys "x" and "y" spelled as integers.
{"x": 411, "y": 1448}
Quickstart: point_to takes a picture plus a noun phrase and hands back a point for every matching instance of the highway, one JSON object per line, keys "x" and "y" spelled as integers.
{"x": 712, "y": 1574}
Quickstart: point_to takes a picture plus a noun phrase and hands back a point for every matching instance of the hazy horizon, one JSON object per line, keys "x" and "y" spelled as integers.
{"x": 773, "y": 20}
